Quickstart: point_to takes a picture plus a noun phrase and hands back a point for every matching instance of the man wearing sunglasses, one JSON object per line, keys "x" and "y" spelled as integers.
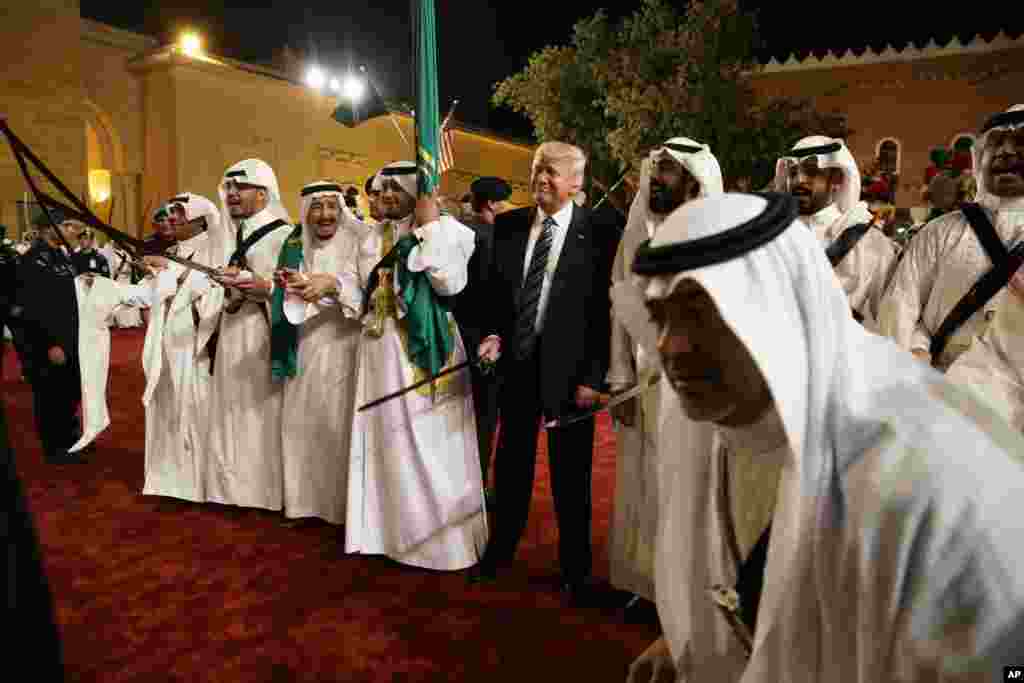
{"x": 823, "y": 176}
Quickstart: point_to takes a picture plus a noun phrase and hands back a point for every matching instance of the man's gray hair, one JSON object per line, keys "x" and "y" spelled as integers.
{"x": 562, "y": 152}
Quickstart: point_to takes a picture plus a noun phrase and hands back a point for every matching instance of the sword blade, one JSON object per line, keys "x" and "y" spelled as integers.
{"x": 611, "y": 403}
{"x": 417, "y": 385}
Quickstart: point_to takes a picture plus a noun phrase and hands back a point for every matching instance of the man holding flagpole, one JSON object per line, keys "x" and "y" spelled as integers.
{"x": 415, "y": 489}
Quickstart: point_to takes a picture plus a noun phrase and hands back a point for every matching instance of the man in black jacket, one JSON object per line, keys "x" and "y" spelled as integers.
{"x": 88, "y": 257}
{"x": 487, "y": 195}
{"x": 549, "y": 316}
{"x": 47, "y": 308}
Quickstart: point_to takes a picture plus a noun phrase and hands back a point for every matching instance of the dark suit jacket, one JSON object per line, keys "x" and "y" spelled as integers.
{"x": 474, "y": 298}
{"x": 47, "y": 302}
{"x": 574, "y": 344}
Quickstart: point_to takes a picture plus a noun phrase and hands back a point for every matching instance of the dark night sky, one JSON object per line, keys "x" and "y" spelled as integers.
{"x": 479, "y": 43}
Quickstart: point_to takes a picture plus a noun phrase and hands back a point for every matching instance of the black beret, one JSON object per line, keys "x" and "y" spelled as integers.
{"x": 491, "y": 189}
{"x": 368, "y": 185}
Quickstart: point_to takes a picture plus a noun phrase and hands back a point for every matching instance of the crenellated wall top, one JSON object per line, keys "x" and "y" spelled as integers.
{"x": 930, "y": 50}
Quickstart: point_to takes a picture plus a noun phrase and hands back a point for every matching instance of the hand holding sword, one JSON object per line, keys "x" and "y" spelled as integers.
{"x": 487, "y": 356}
{"x": 601, "y": 402}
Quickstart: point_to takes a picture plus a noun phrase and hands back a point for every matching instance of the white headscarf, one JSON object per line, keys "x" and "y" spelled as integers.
{"x": 980, "y": 158}
{"x": 700, "y": 163}
{"x": 835, "y": 387}
{"x": 849, "y": 191}
{"x": 196, "y": 206}
{"x": 402, "y": 172}
{"x": 320, "y": 256}
{"x": 251, "y": 172}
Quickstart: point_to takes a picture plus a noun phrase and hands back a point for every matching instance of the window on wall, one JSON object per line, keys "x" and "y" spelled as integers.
{"x": 889, "y": 156}
{"x": 963, "y": 142}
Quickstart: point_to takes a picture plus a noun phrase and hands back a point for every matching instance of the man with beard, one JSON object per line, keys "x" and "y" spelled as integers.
{"x": 414, "y": 488}
{"x": 818, "y": 500}
{"x": 175, "y": 357}
{"x": 674, "y": 173}
{"x": 823, "y": 176}
{"x": 927, "y": 309}
{"x": 243, "y": 445}
{"x": 373, "y": 199}
{"x": 314, "y": 341}
{"x": 549, "y": 309}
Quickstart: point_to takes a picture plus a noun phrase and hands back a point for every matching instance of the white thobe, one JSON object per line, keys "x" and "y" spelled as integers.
{"x": 177, "y": 383}
{"x": 635, "y": 519}
{"x": 243, "y": 445}
{"x": 319, "y": 400}
{"x": 415, "y": 489}
{"x": 993, "y": 367}
{"x": 121, "y": 270}
{"x": 941, "y": 263}
{"x": 899, "y": 552}
{"x": 96, "y": 305}
{"x": 865, "y": 270}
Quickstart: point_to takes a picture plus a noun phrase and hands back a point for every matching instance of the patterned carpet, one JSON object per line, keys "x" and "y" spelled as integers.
{"x": 151, "y": 590}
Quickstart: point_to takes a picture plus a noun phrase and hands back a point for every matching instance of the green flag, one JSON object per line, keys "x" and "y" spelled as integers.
{"x": 427, "y": 117}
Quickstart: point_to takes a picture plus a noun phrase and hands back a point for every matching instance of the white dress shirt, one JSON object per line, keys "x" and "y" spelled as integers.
{"x": 562, "y": 218}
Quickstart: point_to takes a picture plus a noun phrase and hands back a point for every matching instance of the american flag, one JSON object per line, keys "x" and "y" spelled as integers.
{"x": 447, "y": 143}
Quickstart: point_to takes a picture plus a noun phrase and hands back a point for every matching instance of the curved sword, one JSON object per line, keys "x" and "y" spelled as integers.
{"x": 606, "y": 401}
{"x": 485, "y": 367}
{"x": 78, "y": 210}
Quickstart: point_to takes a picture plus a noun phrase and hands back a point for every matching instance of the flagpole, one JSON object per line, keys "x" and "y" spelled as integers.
{"x": 391, "y": 115}
{"x": 427, "y": 128}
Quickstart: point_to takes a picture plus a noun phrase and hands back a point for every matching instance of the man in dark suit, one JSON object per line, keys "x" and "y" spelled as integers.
{"x": 549, "y": 316}
{"x": 487, "y": 195}
{"x": 47, "y": 309}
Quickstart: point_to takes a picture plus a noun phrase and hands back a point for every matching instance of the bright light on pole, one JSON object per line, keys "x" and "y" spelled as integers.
{"x": 191, "y": 44}
{"x": 315, "y": 77}
{"x": 354, "y": 88}
{"x": 335, "y": 85}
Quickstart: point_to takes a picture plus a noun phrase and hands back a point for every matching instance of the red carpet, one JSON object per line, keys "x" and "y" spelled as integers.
{"x": 148, "y": 590}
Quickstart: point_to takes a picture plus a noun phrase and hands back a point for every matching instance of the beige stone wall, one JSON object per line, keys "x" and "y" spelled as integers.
{"x": 922, "y": 104}
{"x": 40, "y": 92}
{"x": 201, "y": 117}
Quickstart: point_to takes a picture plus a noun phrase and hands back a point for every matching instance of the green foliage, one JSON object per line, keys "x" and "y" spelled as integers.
{"x": 619, "y": 89}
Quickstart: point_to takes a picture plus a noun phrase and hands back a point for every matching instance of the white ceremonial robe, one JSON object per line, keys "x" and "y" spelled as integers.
{"x": 177, "y": 384}
{"x": 993, "y": 367}
{"x": 635, "y": 517}
{"x": 319, "y": 401}
{"x": 124, "y": 316}
{"x": 96, "y": 305}
{"x": 942, "y": 262}
{"x": 865, "y": 270}
{"x": 243, "y": 445}
{"x": 415, "y": 489}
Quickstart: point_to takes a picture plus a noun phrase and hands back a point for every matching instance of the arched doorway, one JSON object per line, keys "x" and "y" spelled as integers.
{"x": 112, "y": 194}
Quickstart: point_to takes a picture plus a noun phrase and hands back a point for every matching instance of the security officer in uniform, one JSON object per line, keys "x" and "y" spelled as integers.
{"x": 47, "y": 310}
{"x": 88, "y": 257}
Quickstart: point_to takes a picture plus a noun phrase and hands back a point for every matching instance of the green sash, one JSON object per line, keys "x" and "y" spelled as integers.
{"x": 426, "y": 313}
{"x": 284, "y": 336}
